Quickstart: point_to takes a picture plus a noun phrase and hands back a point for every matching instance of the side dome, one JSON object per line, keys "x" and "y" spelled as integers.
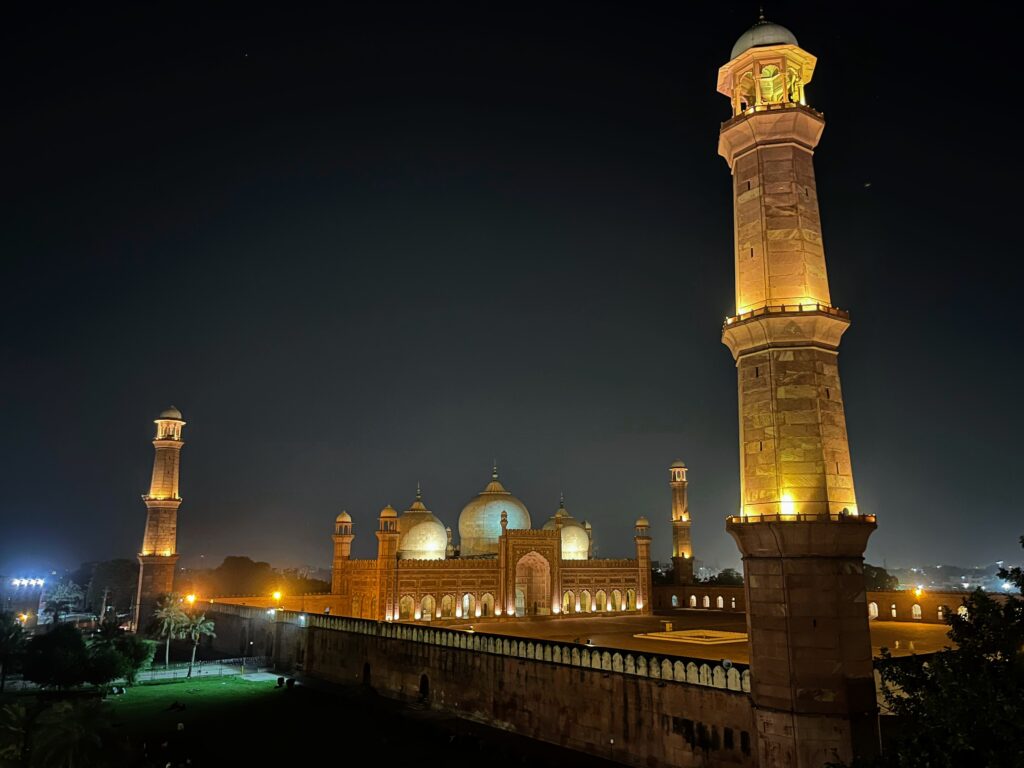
{"x": 480, "y": 520}
{"x": 388, "y": 511}
{"x": 763, "y": 33}
{"x": 423, "y": 536}
{"x": 344, "y": 517}
{"x": 426, "y": 540}
{"x": 170, "y": 413}
{"x": 575, "y": 539}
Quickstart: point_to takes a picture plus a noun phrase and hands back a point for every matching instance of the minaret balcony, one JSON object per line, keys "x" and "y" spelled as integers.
{"x": 785, "y": 325}
{"x": 771, "y": 107}
{"x": 785, "y": 309}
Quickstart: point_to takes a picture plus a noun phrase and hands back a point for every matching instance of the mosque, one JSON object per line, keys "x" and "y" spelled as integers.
{"x": 501, "y": 567}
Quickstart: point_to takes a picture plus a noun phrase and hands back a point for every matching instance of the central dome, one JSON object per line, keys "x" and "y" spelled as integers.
{"x": 480, "y": 521}
{"x": 761, "y": 34}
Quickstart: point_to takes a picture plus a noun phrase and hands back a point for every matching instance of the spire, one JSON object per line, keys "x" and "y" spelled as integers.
{"x": 419, "y": 493}
{"x": 561, "y": 500}
{"x": 494, "y": 470}
{"x": 760, "y": 13}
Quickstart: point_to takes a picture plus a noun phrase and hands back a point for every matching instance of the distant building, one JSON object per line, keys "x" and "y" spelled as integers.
{"x": 502, "y": 566}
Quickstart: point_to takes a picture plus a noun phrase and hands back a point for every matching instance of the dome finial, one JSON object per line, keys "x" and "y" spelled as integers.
{"x": 419, "y": 493}
{"x": 760, "y": 12}
{"x": 561, "y": 500}
{"x": 494, "y": 470}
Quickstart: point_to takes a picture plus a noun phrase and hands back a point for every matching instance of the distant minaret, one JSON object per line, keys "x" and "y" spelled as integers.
{"x": 682, "y": 546}
{"x": 159, "y": 553}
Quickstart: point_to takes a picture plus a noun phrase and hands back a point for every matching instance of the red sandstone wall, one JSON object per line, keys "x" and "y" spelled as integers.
{"x": 652, "y": 721}
{"x": 635, "y": 720}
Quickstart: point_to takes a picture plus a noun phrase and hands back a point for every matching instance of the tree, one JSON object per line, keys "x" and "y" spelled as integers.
{"x": 119, "y": 579}
{"x": 243, "y": 576}
{"x": 962, "y": 706}
{"x": 878, "y": 579}
{"x": 59, "y": 658}
{"x": 105, "y": 663}
{"x": 15, "y": 723}
{"x": 170, "y": 620}
{"x": 729, "y": 577}
{"x": 110, "y": 627}
{"x": 197, "y": 628}
{"x": 12, "y": 642}
{"x": 66, "y": 596}
{"x": 137, "y": 652}
{"x": 68, "y": 735}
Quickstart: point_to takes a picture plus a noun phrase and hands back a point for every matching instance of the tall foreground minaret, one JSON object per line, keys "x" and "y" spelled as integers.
{"x": 798, "y": 526}
{"x": 682, "y": 545}
{"x": 159, "y": 553}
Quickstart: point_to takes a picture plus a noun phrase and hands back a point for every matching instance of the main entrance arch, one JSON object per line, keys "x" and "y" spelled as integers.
{"x": 533, "y": 585}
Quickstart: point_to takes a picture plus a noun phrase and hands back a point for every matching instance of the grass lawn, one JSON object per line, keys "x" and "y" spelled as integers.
{"x": 231, "y": 721}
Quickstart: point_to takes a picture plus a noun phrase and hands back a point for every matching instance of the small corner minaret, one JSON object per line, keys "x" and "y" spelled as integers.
{"x": 682, "y": 544}
{"x": 343, "y": 537}
{"x": 387, "y": 562}
{"x": 642, "y": 539}
{"x": 159, "y": 554}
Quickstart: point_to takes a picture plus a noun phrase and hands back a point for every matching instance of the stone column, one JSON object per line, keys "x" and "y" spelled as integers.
{"x": 812, "y": 678}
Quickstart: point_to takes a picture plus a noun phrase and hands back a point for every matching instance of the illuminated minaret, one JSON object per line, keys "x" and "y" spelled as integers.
{"x": 798, "y": 527}
{"x": 682, "y": 545}
{"x": 387, "y": 563}
{"x": 343, "y": 538}
{"x": 159, "y": 552}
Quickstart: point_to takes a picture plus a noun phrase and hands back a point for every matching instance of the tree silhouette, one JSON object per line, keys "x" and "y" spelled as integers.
{"x": 170, "y": 619}
{"x": 197, "y": 628}
{"x": 12, "y": 642}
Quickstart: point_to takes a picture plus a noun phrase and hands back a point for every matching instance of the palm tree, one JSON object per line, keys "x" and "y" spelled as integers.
{"x": 170, "y": 621}
{"x": 69, "y": 735}
{"x": 197, "y": 627}
{"x": 11, "y": 642}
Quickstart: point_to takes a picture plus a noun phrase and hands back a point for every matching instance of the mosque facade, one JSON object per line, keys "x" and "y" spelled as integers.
{"x": 502, "y": 566}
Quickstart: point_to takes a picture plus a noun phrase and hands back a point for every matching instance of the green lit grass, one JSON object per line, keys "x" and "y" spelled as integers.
{"x": 146, "y": 709}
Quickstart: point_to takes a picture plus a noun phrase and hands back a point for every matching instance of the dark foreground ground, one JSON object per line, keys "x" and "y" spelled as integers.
{"x": 240, "y": 722}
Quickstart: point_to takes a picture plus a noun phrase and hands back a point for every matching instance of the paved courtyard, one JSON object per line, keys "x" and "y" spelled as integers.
{"x": 618, "y": 631}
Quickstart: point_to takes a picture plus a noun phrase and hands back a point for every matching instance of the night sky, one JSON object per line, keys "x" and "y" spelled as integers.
{"x": 387, "y": 245}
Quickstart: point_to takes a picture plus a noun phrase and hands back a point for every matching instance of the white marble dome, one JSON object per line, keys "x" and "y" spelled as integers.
{"x": 422, "y": 536}
{"x": 761, "y": 34}
{"x": 480, "y": 520}
{"x": 426, "y": 540}
{"x": 575, "y": 539}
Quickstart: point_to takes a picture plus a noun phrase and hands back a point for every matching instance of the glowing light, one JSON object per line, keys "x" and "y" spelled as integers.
{"x": 191, "y": 599}
{"x": 417, "y": 615}
{"x": 786, "y": 505}
{"x": 277, "y": 596}
{"x": 918, "y": 591}
{"x": 497, "y": 611}
{"x": 1007, "y": 586}
{"x": 458, "y": 611}
{"x": 478, "y": 612}
{"x": 556, "y": 609}
{"x": 23, "y": 618}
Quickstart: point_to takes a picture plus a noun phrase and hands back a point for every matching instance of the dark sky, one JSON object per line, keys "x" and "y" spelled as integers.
{"x": 385, "y": 245}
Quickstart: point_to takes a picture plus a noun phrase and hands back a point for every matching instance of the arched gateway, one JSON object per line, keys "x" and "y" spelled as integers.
{"x": 533, "y": 585}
